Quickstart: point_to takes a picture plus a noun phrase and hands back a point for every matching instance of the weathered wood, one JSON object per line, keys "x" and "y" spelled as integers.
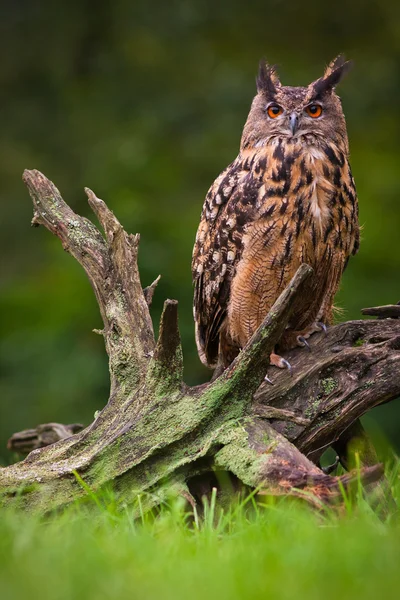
{"x": 156, "y": 434}
{"x": 390, "y": 311}
{"x": 25, "y": 441}
{"x": 351, "y": 369}
{"x": 167, "y": 363}
{"x": 149, "y": 291}
{"x": 111, "y": 266}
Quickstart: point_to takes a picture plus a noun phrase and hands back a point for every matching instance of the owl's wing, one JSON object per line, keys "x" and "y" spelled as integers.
{"x": 227, "y": 208}
{"x": 349, "y": 212}
{"x": 356, "y": 227}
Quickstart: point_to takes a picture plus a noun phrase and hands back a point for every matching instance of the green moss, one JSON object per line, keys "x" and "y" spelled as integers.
{"x": 312, "y": 409}
{"x": 239, "y": 458}
{"x": 368, "y": 384}
{"x": 289, "y": 430}
{"x": 165, "y": 378}
{"x": 265, "y": 439}
{"x": 328, "y": 385}
{"x": 359, "y": 342}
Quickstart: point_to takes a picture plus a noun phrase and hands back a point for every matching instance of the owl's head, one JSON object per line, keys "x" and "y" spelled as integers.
{"x": 313, "y": 113}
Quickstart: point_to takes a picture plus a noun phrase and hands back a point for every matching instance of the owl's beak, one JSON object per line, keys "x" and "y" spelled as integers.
{"x": 293, "y": 123}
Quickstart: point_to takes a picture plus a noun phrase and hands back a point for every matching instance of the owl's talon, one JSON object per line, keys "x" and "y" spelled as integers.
{"x": 280, "y": 362}
{"x": 322, "y": 327}
{"x": 267, "y": 379}
{"x": 286, "y": 365}
{"x": 303, "y": 342}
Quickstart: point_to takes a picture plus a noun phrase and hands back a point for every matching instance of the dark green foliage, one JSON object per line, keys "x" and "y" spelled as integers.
{"x": 258, "y": 548}
{"x": 145, "y": 105}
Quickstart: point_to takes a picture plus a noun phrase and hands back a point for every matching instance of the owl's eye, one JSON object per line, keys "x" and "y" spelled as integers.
{"x": 274, "y": 111}
{"x": 314, "y": 110}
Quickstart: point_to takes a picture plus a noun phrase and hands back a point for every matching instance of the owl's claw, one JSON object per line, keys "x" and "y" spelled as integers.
{"x": 286, "y": 365}
{"x": 301, "y": 340}
{"x": 280, "y": 362}
{"x": 267, "y": 379}
{"x": 322, "y": 327}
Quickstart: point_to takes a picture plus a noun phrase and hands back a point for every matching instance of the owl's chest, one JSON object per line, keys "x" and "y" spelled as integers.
{"x": 302, "y": 213}
{"x": 312, "y": 184}
{"x": 310, "y": 208}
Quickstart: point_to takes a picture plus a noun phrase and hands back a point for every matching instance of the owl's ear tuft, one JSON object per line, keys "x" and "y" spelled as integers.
{"x": 267, "y": 79}
{"x": 334, "y": 72}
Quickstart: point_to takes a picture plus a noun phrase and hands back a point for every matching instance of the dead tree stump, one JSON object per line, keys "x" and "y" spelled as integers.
{"x": 156, "y": 435}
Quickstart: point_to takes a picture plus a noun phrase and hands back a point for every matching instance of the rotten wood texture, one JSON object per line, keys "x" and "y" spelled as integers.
{"x": 156, "y": 435}
{"x": 25, "y": 441}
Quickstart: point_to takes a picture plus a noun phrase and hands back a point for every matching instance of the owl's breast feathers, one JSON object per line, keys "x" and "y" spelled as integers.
{"x": 273, "y": 208}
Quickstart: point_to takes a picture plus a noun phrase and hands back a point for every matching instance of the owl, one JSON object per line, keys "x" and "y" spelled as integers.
{"x": 288, "y": 198}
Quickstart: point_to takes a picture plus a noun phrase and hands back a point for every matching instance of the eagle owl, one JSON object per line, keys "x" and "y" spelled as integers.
{"x": 288, "y": 198}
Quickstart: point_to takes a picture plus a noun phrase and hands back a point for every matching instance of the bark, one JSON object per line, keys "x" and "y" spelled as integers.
{"x": 157, "y": 436}
{"x": 25, "y": 441}
{"x": 351, "y": 369}
{"x": 383, "y": 312}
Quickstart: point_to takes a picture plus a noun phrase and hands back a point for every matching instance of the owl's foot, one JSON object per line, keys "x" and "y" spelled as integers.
{"x": 299, "y": 340}
{"x": 302, "y": 339}
{"x": 302, "y": 342}
{"x": 280, "y": 362}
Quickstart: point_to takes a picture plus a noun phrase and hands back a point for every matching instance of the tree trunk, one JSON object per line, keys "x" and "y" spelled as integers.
{"x": 156, "y": 436}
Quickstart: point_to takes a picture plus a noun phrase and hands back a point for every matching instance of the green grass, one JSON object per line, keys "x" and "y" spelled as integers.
{"x": 275, "y": 549}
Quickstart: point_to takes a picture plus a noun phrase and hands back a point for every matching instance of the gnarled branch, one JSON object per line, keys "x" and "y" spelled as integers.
{"x": 351, "y": 369}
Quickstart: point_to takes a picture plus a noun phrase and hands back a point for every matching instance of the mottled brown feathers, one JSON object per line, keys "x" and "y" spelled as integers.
{"x": 286, "y": 199}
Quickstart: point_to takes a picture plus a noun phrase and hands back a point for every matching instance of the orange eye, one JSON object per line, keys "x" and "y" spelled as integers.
{"x": 274, "y": 111}
{"x": 314, "y": 110}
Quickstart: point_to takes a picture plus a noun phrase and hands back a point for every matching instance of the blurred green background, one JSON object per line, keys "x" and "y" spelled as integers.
{"x": 144, "y": 103}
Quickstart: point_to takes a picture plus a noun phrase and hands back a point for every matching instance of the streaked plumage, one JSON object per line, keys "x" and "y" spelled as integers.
{"x": 288, "y": 198}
